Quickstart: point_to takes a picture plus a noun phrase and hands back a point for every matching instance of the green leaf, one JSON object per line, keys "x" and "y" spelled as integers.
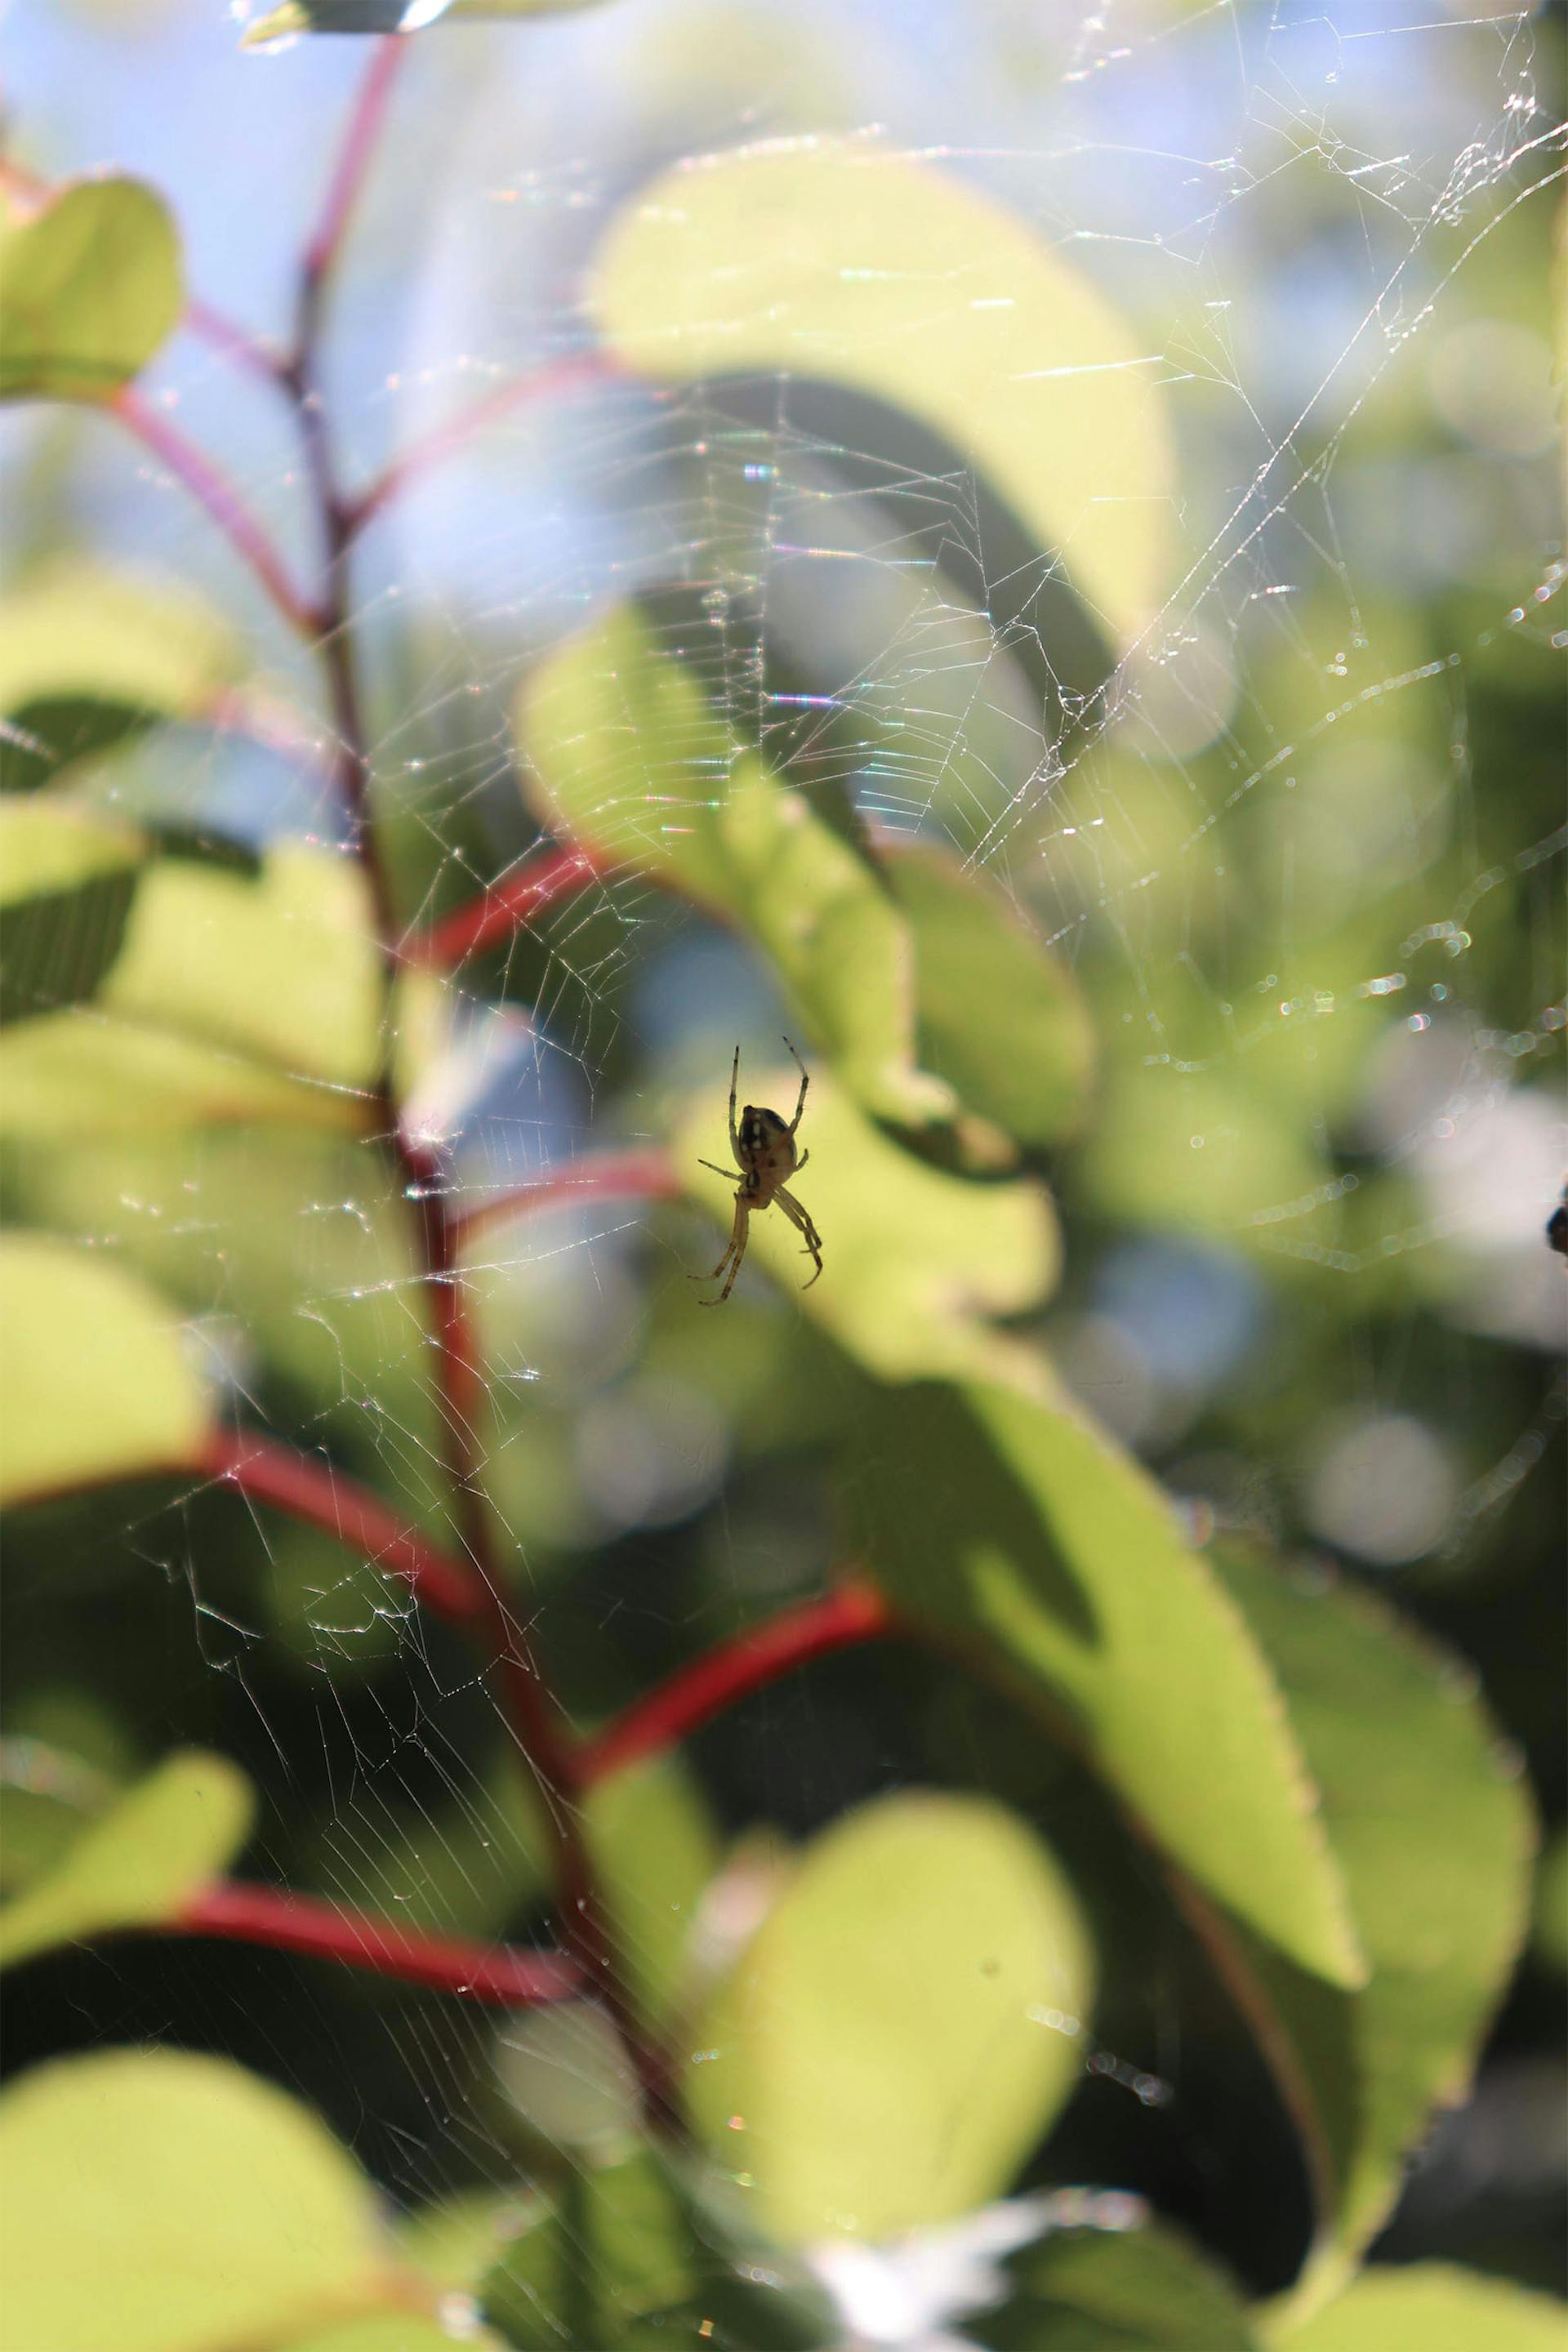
{"x": 655, "y": 1850}
{"x": 916, "y": 1260}
{"x": 375, "y": 17}
{"x": 629, "y": 757}
{"x": 392, "y": 2331}
{"x": 284, "y": 967}
{"x": 93, "y": 1381}
{"x": 138, "y": 1863}
{"x": 89, "y": 287}
{"x": 70, "y": 1075}
{"x": 1200, "y": 1150}
{"x": 848, "y": 262}
{"x": 47, "y": 1796}
{"x": 67, "y": 881}
{"x": 162, "y": 2202}
{"x": 1001, "y": 1018}
{"x": 638, "y": 2252}
{"x": 1139, "y": 2290}
{"x": 1433, "y": 2307}
{"x": 1435, "y": 1843}
{"x": 89, "y": 655}
{"x": 891, "y": 2043}
{"x": 1004, "y": 1518}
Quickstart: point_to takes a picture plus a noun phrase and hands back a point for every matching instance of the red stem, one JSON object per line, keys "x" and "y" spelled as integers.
{"x": 483, "y": 922}
{"x": 641, "y": 1172}
{"x": 763, "y": 1654}
{"x": 293, "y": 1923}
{"x": 565, "y": 374}
{"x": 353, "y": 158}
{"x": 213, "y": 491}
{"x": 321, "y": 1497}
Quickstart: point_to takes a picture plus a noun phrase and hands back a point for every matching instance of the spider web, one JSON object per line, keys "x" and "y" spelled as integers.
{"x": 1301, "y": 844}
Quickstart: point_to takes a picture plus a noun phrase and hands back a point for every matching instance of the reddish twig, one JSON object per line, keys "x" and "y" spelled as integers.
{"x": 854, "y": 1612}
{"x": 569, "y": 373}
{"x": 642, "y": 1172}
{"x": 213, "y": 491}
{"x": 499, "y": 1973}
{"x": 355, "y": 155}
{"x": 491, "y": 918}
{"x": 321, "y": 1497}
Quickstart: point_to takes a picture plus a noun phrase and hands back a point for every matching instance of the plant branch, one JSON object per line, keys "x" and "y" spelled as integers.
{"x": 501, "y": 908}
{"x": 854, "y": 1612}
{"x": 213, "y": 491}
{"x": 535, "y": 1719}
{"x": 499, "y": 1973}
{"x": 641, "y": 1172}
{"x": 569, "y": 373}
{"x": 318, "y": 1495}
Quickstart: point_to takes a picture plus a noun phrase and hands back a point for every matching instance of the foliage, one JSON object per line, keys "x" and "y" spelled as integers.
{"x": 731, "y": 2048}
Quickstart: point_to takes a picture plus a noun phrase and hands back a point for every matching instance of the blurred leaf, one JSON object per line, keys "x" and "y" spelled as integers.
{"x": 629, "y": 757}
{"x": 1435, "y": 1845}
{"x": 162, "y": 2202}
{"x": 880, "y": 2057}
{"x": 93, "y": 1381}
{"x": 139, "y": 1863}
{"x": 640, "y": 2250}
{"x": 67, "y": 881}
{"x": 88, "y": 655}
{"x": 391, "y": 2331}
{"x": 89, "y": 287}
{"x": 285, "y": 966}
{"x": 846, "y": 262}
{"x": 1432, "y": 2307}
{"x": 1001, "y": 1018}
{"x": 1549, "y": 1933}
{"x": 1138, "y": 2290}
{"x": 372, "y": 17}
{"x": 1201, "y": 1150}
{"x": 78, "y": 1074}
{"x": 455, "y": 2240}
{"x": 654, "y": 1848}
{"x": 47, "y": 1797}
{"x": 916, "y": 1261}
{"x": 1006, "y": 1520}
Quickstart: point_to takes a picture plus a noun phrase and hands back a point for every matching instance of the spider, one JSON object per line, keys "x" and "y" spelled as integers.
{"x": 764, "y": 1154}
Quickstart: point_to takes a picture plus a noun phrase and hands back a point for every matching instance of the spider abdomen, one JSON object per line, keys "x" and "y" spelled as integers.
{"x": 767, "y": 1147}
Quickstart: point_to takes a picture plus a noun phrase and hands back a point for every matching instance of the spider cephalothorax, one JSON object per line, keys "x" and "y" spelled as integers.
{"x": 765, "y": 1151}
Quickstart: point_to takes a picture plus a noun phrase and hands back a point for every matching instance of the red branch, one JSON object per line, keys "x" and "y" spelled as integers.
{"x": 642, "y": 1172}
{"x": 498, "y": 910}
{"x": 324, "y": 1498}
{"x": 292, "y": 1923}
{"x": 353, "y": 158}
{"x": 213, "y": 491}
{"x": 764, "y": 1654}
{"x": 566, "y": 374}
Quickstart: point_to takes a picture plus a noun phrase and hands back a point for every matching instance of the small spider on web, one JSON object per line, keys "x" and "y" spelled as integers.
{"x": 764, "y": 1154}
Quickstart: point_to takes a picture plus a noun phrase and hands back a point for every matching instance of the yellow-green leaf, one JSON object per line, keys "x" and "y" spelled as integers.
{"x": 1435, "y": 1845}
{"x": 89, "y": 287}
{"x": 93, "y": 1381}
{"x": 628, "y": 757}
{"x": 1433, "y": 2307}
{"x": 915, "y": 1261}
{"x": 88, "y": 655}
{"x": 284, "y": 966}
{"x": 896, "y": 2037}
{"x": 137, "y": 1864}
{"x": 1001, "y": 1018}
{"x": 374, "y": 16}
{"x": 78, "y": 1074}
{"x": 67, "y": 879}
{"x": 156, "y": 2201}
{"x": 1003, "y": 1516}
{"x": 846, "y": 261}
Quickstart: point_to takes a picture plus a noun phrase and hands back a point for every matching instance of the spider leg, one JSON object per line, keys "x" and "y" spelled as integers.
{"x": 735, "y": 1252}
{"x": 734, "y": 1082}
{"x": 800, "y": 1163}
{"x": 800, "y": 1218}
{"x": 727, "y": 1174}
{"x": 805, "y": 1082}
